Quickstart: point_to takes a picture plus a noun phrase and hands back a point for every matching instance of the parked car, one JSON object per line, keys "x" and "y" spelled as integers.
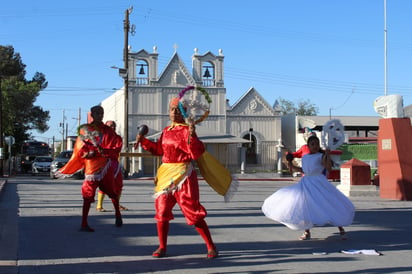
{"x": 60, "y": 161}
{"x": 41, "y": 165}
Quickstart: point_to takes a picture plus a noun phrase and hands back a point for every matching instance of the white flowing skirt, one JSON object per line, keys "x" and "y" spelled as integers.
{"x": 313, "y": 201}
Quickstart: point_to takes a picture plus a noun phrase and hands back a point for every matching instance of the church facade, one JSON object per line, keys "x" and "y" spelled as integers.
{"x": 244, "y": 136}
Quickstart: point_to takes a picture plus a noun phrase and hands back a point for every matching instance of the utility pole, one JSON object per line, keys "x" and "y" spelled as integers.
{"x": 126, "y": 90}
{"x": 80, "y": 116}
{"x": 67, "y": 130}
{"x": 62, "y": 125}
{"x": 53, "y": 151}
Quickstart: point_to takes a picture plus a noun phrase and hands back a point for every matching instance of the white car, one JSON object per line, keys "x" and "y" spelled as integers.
{"x": 41, "y": 165}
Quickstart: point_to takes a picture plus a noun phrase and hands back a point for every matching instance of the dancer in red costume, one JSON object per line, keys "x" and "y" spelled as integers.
{"x": 96, "y": 151}
{"x": 119, "y": 176}
{"x": 176, "y": 180}
{"x": 303, "y": 150}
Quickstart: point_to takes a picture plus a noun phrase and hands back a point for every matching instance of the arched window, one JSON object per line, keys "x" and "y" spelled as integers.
{"x": 251, "y": 156}
{"x": 208, "y": 74}
{"x": 142, "y": 77}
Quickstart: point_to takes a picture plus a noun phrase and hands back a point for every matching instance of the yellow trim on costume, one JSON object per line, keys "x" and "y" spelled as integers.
{"x": 173, "y": 124}
{"x": 170, "y": 176}
{"x": 216, "y": 175}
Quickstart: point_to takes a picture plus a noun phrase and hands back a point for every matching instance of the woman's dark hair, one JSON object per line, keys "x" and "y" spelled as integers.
{"x": 314, "y": 137}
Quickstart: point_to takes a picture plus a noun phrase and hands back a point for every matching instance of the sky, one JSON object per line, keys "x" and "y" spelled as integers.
{"x": 329, "y": 52}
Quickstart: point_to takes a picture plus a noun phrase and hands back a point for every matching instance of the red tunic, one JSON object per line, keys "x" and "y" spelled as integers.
{"x": 101, "y": 169}
{"x": 175, "y": 147}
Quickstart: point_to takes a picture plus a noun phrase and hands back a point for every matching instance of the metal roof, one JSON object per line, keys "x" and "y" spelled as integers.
{"x": 210, "y": 136}
{"x": 347, "y": 121}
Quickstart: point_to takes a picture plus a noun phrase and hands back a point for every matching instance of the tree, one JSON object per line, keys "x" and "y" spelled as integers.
{"x": 19, "y": 114}
{"x": 303, "y": 107}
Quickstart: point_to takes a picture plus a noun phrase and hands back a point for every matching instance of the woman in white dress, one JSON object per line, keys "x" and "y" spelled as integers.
{"x": 313, "y": 201}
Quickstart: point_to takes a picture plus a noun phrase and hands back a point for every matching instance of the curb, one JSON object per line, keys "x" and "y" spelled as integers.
{"x": 238, "y": 179}
{"x": 2, "y": 183}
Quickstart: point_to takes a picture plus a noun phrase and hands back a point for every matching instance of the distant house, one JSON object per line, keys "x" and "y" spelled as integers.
{"x": 408, "y": 111}
{"x": 358, "y": 129}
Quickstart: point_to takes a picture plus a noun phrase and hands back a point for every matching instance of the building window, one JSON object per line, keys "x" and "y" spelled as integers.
{"x": 251, "y": 155}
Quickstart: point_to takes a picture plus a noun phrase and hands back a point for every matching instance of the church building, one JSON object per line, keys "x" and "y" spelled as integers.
{"x": 245, "y": 136}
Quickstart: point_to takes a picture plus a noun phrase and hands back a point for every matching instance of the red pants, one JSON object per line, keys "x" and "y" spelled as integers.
{"x": 110, "y": 185}
{"x": 188, "y": 199}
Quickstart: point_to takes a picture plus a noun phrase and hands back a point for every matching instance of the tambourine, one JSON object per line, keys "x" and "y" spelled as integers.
{"x": 194, "y": 107}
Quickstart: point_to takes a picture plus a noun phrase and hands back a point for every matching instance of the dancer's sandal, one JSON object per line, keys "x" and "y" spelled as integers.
{"x": 123, "y": 208}
{"x": 305, "y": 236}
{"x": 212, "y": 253}
{"x": 101, "y": 209}
{"x": 159, "y": 253}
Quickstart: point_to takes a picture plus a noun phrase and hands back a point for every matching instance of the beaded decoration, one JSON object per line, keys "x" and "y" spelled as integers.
{"x": 89, "y": 133}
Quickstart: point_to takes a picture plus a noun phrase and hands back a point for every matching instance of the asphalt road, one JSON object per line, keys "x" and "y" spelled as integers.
{"x": 40, "y": 219}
